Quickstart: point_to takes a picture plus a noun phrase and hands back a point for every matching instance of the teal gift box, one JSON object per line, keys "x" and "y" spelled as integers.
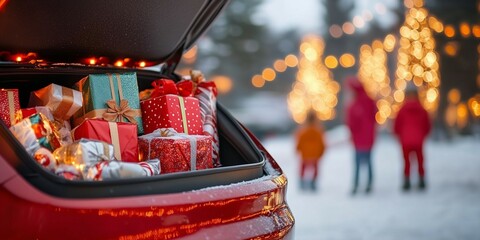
{"x": 110, "y": 96}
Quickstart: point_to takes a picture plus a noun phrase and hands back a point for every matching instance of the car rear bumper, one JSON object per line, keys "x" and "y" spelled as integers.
{"x": 251, "y": 209}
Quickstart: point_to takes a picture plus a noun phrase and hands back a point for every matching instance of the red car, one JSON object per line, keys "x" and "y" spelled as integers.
{"x": 52, "y": 41}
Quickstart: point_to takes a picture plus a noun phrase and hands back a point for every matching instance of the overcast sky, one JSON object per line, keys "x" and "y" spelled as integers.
{"x": 305, "y": 15}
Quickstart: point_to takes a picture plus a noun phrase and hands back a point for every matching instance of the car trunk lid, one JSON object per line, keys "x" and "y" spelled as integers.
{"x": 149, "y": 31}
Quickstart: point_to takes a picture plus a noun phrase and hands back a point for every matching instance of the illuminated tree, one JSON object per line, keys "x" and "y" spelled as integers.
{"x": 373, "y": 74}
{"x": 314, "y": 88}
{"x": 417, "y": 58}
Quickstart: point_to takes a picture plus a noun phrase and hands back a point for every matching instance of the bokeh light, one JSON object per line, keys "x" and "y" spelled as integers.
{"x": 449, "y": 31}
{"x": 331, "y": 61}
{"x": 280, "y": 65}
{"x": 258, "y": 81}
{"x": 335, "y": 31}
{"x": 348, "y": 28}
{"x": 347, "y": 60}
{"x": 465, "y": 29}
{"x": 268, "y": 74}
{"x": 291, "y": 60}
{"x": 224, "y": 83}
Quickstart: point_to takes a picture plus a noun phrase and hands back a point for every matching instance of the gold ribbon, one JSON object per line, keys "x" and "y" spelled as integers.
{"x": 167, "y": 132}
{"x": 184, "y": 115}
{"x": 98, "y": 113}
{"x": 115, "y": 140}
{"x": 65, "y": 104}
{"x": 11, "y": 106}
{"x": 106, "y": 151}
{"x": 116, "y": 113}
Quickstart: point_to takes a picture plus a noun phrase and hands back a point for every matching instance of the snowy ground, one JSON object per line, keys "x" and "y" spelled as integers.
{"x": 448, "y": 209}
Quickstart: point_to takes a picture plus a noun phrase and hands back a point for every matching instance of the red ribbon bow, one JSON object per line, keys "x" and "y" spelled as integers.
{"x": 166, "y": 86}
{"x": 199, "y": 80}
{"x": 162, "y": 87}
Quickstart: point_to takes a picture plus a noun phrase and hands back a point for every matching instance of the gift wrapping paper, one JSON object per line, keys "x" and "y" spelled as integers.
{"x": 206, "y": 93}
{"x": 113, "y": 97}
{"x": 62, "y": 126}
{"x": 9, "y": 104}
{"x": 45, "y": 158}
{"x": 62, "y": 101}
{"x": 208, "y": 109}
{"x": 36, "y": 131}
{"x": 172, "y": 111}
{"x": 84, "y": 154}
{"x": 93, "y": 160}
{"x": 177, "y": 152}
{"x": 121, "y": 170}
{"x": 123, "y": 136}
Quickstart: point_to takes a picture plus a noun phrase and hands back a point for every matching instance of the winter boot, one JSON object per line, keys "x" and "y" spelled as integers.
{"x": 421, "y": 184}
{"x": 313, "y": 185}
{"x": 406, "y": 184}
{"x": 303, "y": 184}
{"x": 368, "y": 189}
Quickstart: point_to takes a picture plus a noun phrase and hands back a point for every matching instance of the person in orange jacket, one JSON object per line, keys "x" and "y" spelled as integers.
{"x": 310, "y": 146}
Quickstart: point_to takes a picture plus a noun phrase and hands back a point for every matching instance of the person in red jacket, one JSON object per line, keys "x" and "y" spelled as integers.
{"x": 412, "y": 126}
{"x": 310, "y": 146}
{"x": 360, "y": 117}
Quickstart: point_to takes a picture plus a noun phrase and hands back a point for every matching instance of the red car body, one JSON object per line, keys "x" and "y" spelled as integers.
{"x": 253, "y": 209}
{"x": 244, "y": 199}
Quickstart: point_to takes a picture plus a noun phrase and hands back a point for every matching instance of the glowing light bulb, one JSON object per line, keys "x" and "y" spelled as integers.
{"x": 119, "y": 63}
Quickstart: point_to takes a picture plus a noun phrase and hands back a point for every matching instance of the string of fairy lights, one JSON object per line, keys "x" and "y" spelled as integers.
{"x": 417, "y": 64}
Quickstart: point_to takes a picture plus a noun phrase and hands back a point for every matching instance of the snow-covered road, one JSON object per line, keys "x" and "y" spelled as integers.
{"x": 448, "y": 209}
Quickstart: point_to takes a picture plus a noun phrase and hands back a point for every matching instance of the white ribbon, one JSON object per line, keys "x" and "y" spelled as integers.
{"x": 170, "y": 133}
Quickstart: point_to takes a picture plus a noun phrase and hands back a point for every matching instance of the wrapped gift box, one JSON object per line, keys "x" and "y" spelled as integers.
{"x": 9, "y": 104}
{"x": 177, "y": 152}
{"x": 172, "y": 111}
{"x": 113, "y": 97}
{"x": 35, "y": 132}
{"x": 62, "y": 101}
{"x": 206, "y": 93}
{"x": 94, "y": 160}
{"x": 123, "y": 136}
{"x": 62, "y": 126}
{"x": 27, "y": 112}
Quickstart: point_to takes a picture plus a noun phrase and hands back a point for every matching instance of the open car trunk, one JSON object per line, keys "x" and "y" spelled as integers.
{"x": 240, "y": 158}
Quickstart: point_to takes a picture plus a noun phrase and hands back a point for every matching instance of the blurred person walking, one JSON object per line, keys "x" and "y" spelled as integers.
{"x": 412, "y": 126}
{"x": 310, "y": 146}
{"x": 360, "y": 118}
